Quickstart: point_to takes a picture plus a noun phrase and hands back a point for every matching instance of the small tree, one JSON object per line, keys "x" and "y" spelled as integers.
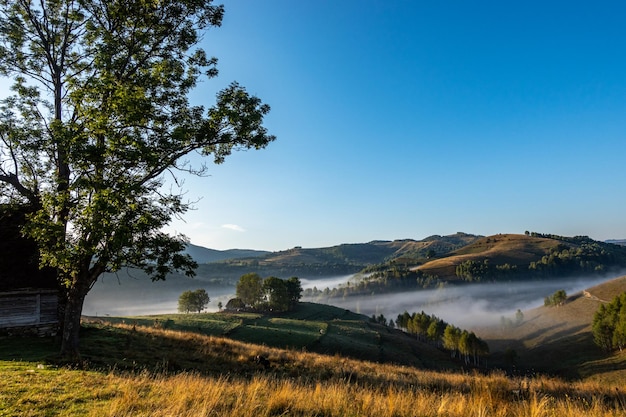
{"x": 556, "y": 299}
{"x": 193, "y": 301}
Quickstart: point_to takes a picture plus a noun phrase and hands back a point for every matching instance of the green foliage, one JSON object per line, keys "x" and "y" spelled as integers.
{"x": 577, "y": 254}
{"x": 99, "y": 115}
{"x": 466, "y": 345}
{"x": 235, "y": 304}
{"x": 271, "y": 293}
{"x": 250, "y": 289}
{"x": 473, "y": 270}
{"x": 276, "y": 294}
{"x": 556, "y": 299}
{"x": 609, "y": 324}
{"x": 193, "y": 301}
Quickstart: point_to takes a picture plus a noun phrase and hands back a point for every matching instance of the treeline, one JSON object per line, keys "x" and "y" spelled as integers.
{"x": 588, "y": 257}
{"x": 475, "y": 271}
{"x": 609, "y": 324}
{"x": 460, "y": 343}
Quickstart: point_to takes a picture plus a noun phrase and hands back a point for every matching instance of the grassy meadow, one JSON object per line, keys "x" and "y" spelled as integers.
{"x": 200, "y": 365}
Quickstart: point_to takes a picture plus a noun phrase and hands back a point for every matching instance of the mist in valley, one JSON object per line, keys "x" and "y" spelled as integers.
{"x": 467, "y": 306}
{"x": 132, "y": 293}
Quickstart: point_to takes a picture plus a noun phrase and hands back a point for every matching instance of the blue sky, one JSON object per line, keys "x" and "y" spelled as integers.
{"x": 404, "y": 119}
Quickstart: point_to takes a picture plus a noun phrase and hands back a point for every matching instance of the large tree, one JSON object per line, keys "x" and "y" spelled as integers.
{"x": 99, "y": 126}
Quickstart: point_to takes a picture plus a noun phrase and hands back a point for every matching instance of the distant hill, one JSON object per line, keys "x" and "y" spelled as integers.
{"x": 497, "y": 258}
{"x": 534, "y": 255}
{"x": 204, "y": 255}
{"x": 435, "y": 259}
{"x": 621, "y": 242}
{"x": 514, "y": 249}
{"x": 377, "y": 251}
{"x": 346, "y": 258}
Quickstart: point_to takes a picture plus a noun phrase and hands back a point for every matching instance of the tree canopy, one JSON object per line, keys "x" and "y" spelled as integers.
{"x": 271, "y": 293}
{"x": 99, "y": 126}
{"x": 609, "y": 324}
{"x": 193, "y": 301}
{"x": 250, "y": 288}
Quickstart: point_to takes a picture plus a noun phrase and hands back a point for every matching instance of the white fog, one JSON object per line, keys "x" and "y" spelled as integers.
{"x": 465, "y": 306}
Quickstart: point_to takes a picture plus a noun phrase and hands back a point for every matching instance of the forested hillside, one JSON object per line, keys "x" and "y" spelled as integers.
{"x": 338, "y": 260}
{"x": 503, "y": 257}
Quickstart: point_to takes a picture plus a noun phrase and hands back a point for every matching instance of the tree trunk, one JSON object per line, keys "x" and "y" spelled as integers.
{"x": 71, "y": 323}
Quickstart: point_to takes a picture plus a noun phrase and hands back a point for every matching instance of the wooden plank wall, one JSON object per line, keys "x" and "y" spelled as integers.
{"x": 28, "y": 308}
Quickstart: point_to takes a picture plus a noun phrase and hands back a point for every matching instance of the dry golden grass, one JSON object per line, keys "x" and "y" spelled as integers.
{"x": 296, "y": 384}
{"x": 193, "y": 395}
{"x": 514, "y": 249}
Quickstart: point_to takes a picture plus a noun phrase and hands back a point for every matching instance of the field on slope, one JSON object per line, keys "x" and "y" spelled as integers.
{"x": 312, "y": 327}
{"x": 559, "y": 339}
{"x": 135, "y": 370}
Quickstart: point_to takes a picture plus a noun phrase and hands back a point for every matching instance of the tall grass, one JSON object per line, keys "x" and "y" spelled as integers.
{"x": 228, "y": 383}
{"x": 193, "y": 395}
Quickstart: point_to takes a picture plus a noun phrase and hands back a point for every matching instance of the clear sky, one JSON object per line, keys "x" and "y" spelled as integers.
{"x": 403, "y": 119}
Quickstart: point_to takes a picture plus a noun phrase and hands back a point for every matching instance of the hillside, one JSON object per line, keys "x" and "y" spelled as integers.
{"x": 312, "y": 327}
{"x": 497, "y": 258}
{"x": 528, "y": 256}
{"x": 136, "y": 371}
{"x": 204, "y": 255}
{"x": 559, "y": 339}
{"x": 437, "y": 258}
{"x": 514, "y": 249}
{"x": 338, "y": 260}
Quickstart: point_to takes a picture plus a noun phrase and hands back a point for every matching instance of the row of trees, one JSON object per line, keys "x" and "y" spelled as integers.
{"x": 271, "y": 293}
{"x": 471, "y": 271}
{"x": 609, "y": 324}
{"x": 461, "y": 343}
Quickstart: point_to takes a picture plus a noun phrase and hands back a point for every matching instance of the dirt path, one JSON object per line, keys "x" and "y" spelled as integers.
{"x": 590, "y": 296}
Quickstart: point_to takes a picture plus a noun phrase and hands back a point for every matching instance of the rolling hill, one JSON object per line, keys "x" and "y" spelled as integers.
{"x": 559, "y": 339}
{"x": 485, "y": 258}
{"x": 204, "y": 255}
{"x": 375, "y": 252}
{"x": 514, "y": 249}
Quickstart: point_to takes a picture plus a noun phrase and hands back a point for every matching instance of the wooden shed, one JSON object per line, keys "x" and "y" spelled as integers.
{"x": 29, "y": 311}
